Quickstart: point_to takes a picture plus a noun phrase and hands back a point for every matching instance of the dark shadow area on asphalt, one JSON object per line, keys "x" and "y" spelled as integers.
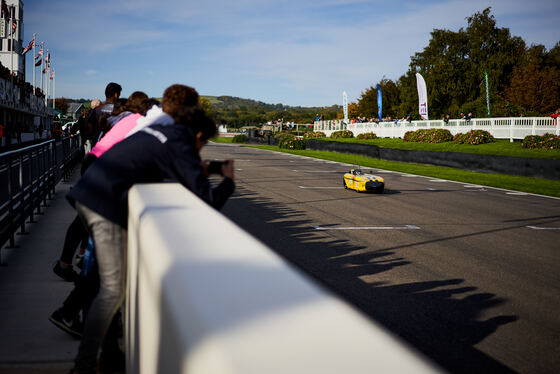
{"x": 431, "y": 319}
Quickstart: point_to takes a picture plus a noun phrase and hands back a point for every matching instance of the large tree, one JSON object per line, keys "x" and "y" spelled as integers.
{"x": 453, "y": 66}
{"x": 367, "y": 103}
{"x": 61, "y": 104}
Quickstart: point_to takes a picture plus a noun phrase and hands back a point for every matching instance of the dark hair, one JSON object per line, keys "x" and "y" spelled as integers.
{"x": 150, "y": 103}
{"x": 196, "y": 119}
{"x": 119, "y": 106}
{"x": 112, "y": 89}
{"x": 136, "y": 102}
{"x": 177, "y": 97}
{"x": 104, "y": 125}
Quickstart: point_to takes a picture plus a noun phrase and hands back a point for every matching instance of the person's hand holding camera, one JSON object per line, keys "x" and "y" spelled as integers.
{"x": 224, "y": 168}
{"x": 227, "y": 169}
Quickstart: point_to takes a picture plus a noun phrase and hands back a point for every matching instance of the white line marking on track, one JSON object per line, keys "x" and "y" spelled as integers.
{"x": 337, "y": 188}
{"x": 438, "y": 180}
{"x": 406, "y": 227}
{"x": 316, "y": 171}
{"x": 517, "y": 193}
{"x": 543, "y": 228}
{"x": 472, "y": 186}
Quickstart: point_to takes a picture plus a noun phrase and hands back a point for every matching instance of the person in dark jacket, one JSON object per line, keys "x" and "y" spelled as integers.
{"x": 154, "y": 154}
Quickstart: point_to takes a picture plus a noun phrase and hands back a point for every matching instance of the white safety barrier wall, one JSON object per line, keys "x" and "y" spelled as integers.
{"x": 501, "y": 128}
{"x": 205, "y": 297}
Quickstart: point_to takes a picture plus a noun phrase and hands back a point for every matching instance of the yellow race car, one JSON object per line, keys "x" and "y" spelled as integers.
{"x": 359, "y": 181}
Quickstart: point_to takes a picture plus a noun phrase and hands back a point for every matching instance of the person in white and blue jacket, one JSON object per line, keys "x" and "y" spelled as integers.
{"x": 154, "y": 154}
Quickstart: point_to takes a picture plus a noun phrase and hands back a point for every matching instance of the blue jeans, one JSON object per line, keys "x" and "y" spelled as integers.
{"x": 110, "y": 250}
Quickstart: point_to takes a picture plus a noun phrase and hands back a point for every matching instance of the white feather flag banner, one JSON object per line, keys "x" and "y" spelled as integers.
{"x": 422, "y": 96}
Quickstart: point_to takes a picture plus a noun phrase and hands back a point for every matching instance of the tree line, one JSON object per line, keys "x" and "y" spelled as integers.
{"x": 523, "y": 80}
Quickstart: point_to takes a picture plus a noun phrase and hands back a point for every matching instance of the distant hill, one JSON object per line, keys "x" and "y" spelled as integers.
{"x": 237, "y": 112}
{"x": 232, "y": 102}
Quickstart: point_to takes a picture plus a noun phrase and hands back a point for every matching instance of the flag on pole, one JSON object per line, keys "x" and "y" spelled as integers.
{"x": 45, "y": 69}
{"x": 40, "y": 53}
{"x": 52, "y": 74}
{"x": 38, "y": 63}
{"x": 29, "y": 46}
{"x": 13, "y": 21}
{"x": 422, "y": 96}
{"x": 487, "y": 93}
{"x": 345, "y": 106}
{"x": 379, "y": 103}
{"x": 47, "y": 57}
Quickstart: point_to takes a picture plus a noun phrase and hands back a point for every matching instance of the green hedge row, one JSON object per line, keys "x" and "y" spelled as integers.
{"x": 428, "y": 136}
{"x": 546, "y": 141}
{"x": 474, "y": 137}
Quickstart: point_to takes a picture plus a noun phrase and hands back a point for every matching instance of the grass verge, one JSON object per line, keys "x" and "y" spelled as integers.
{"x": 221, "y": 139}
{"x": 510, "y": 182}
{"x": 500, "y": 147}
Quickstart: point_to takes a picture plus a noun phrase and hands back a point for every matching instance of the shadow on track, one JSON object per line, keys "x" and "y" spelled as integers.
{"x": 428, "y": 315}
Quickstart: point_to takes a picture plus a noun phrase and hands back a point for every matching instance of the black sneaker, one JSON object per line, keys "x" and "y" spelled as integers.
{"x": 72, "y": 326}
{"x": 67, "y": 273}
{"x": 111, "y": 362}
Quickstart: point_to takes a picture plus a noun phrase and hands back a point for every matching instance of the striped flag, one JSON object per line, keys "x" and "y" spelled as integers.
{"x": 38, "y": 63}
{"x": 52, "y": 74}
{"x": 29, "y": 46}
{"x": 40, "y": 53}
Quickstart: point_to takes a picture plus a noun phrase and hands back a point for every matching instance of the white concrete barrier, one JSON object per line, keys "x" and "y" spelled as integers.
{"x": 206, "y": 297}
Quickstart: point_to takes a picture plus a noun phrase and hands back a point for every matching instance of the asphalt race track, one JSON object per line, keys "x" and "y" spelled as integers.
{"x": 468, "y": 275}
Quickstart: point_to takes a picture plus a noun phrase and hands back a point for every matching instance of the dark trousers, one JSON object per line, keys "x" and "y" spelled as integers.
{"x": 81, "y": 297}
{"x": 75, "y": 235}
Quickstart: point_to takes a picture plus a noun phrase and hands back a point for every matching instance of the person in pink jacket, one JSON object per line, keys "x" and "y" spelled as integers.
{"x": 135, "y": 108}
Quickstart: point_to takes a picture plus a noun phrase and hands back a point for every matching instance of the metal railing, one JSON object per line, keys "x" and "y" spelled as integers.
{"x": 28, "y": 177}
{"x": 501, "y": 128}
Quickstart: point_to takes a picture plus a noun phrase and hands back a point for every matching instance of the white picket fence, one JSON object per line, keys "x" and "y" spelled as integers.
{"x": 501, "y": 128}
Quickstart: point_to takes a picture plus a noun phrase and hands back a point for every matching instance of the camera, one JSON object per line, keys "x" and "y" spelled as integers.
{"x": 215, "y": 167}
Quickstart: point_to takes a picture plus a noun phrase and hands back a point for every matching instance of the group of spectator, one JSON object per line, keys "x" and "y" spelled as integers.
{"x": 126, "y": 141}
{"x": 409, "y": 118}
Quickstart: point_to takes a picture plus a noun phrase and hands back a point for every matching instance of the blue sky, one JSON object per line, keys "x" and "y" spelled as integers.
{"x": 302, "y": 52}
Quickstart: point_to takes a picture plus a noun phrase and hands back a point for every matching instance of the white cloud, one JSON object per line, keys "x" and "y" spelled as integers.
{"x": 311, "y": 48}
